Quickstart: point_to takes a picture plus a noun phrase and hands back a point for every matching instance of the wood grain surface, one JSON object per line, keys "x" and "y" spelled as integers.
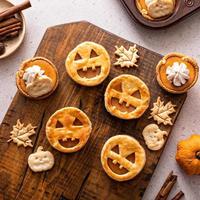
{"x": 78, "y": 175}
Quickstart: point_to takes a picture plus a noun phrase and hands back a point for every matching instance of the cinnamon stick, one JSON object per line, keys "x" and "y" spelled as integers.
{"x": 14, "y": 9}
{"x": 16, "y": 28}
{"x": 9, "y": 21}
{"x": 178, "y": 196}
{"x": 9, "y": 36}
{"x": 10, "y": 27}
{"x": 166, "y": 187}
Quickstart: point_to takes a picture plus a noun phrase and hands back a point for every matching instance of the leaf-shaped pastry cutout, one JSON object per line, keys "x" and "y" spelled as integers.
{"x": 127, "y": 58}
{"x": 20, "y": 134}
{"x": 161, "y": 113}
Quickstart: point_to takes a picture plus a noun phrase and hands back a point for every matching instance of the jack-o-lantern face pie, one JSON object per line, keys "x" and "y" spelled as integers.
{"x": 122, "y": 157}
{"x": 37, "y": 78}
{"x": 127, "y": 97}
{"x": 177, "y": 73}
{"x": 156, "y": 9}
{"x": 88, "y": 64}
{"x": 68, "y": 129}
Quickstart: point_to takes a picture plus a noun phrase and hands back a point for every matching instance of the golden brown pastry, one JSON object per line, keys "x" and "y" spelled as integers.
{"x": 177, "y": 73}
{"x": 156, "y": 9}
{"x": 63, "y": 132}
{"x": 37, "y": 78}
{"x": 88, "y": 64}
{"x": 122, "y": 157}
{"x": 127, "y": 97}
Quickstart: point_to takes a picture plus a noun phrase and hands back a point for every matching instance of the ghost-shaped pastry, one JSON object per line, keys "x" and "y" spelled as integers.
{"x": 154, "y": 137}
{"x": 41, "y": 160}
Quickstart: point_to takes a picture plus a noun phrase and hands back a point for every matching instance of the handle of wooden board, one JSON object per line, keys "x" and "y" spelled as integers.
{"x": 14, "y": 9}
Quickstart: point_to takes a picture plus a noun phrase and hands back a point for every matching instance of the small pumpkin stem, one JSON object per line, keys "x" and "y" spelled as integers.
{"x": 198, "y": 155}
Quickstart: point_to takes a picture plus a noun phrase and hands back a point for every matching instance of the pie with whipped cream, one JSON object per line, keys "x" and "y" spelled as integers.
{"x": 156, "y": 9}
{"x": 177, "y": 73}
{"x": 127, "y": 97}
{"x": 122, "y": 157}
{"x": 37, "y": 78}
{"x": 88, "y": 64}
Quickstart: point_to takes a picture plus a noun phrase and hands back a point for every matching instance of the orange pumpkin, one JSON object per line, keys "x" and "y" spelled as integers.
{"x": 188, "y": 154}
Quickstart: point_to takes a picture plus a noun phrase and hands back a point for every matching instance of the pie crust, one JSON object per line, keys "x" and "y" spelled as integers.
{"x": 168, "y": 60}
{"x": 46, "y": 65}
{"x": 86, "y": 62}
{"x": 127, "y": 145}
{"x": 68, "y": 131}
{"x": 123, "y": 88}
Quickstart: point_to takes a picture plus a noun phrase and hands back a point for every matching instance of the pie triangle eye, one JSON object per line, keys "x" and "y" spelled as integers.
{"x": 59, "y": 124}
{"x": 77, "y": 57}
{"x": 93, "y": 54}
{"x": 77, "y": 122}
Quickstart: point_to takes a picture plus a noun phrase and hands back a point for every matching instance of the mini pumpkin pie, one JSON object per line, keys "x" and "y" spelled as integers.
{"x": 122, "y": 157}
{"x": 177, "y": 73}
{"x": 156, "y": 9}
{"x": 127, "y": 97}
{"x": 88, "y": 64}
{"x": 37, "y": 78}
{"x": 68, "y": 129}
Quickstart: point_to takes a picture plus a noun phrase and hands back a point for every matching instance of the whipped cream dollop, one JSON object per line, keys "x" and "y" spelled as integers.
{"x": 178, "y": 74}
{"x": 37, "y": 83}
{"x": 31, "y": 73}
{"x": 160, "y": 8}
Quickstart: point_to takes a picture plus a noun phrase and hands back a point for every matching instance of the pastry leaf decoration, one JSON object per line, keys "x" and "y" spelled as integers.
{"x": 20, "y": 134}
{"x": 161, "y": 113}
{"x": 127, "y": 58}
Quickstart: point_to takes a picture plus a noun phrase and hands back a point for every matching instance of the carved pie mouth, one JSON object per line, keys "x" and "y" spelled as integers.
{"x": 90, "y": 73}
{"x": 116, "y": 167}
{"x": 122, "y": 106}
{"x": 69, "y": 143}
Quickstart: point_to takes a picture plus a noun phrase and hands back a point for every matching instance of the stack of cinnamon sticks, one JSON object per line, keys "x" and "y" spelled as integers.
{"x": 167, "y": 187}
{"x": 10, "y": 26}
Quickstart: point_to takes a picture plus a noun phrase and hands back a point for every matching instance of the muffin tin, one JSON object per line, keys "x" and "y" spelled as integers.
{"x": 183, "y": 8}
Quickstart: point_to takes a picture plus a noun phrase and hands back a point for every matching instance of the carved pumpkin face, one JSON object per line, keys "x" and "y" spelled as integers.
{"x": 88, "y": 64}
{"x": 127, "y": 97}
{"x": 188, "y": 154}
{"x": 68, "y": 129}
{"x": 124, "y": 166}
{"x": 41, "y": 160}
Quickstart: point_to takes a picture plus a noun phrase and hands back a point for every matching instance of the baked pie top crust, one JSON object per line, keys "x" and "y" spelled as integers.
{"x": 127, "y": 145}
{"x": 167, "y": 61}
{"x": 86, "y": 63}
{"x": 67, "y": 130}
{"x": 123, "y": 89}
{"x": 46, "y": 65}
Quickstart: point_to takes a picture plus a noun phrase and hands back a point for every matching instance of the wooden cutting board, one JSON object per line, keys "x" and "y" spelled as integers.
{"x": 78, "y": 175}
